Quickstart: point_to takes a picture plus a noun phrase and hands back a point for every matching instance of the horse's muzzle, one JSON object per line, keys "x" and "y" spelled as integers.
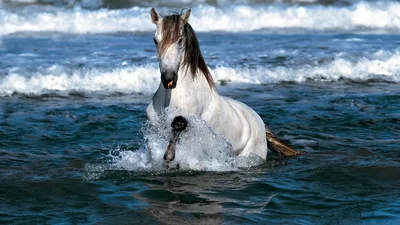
{"x": 169, "y": 79}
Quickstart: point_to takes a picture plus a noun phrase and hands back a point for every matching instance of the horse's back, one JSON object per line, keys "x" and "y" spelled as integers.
{"x": 243, "y": 127}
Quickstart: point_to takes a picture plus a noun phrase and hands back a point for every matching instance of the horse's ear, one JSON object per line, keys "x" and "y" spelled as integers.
{"x": 155, "y": 17}
{"x": 185, "y": 17}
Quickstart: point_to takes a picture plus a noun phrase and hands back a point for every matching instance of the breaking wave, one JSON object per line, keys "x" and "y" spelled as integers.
{"x": 381, "y": 65}
{"x": 359, "y": 17}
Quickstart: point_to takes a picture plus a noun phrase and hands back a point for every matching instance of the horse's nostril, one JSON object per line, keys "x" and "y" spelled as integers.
{"x": 171, "y": 84}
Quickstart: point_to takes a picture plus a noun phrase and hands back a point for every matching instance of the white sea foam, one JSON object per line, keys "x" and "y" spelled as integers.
{"x": 360, "y": 17}
{"x": 382, "y": 65}
{"x": 140, "y": 79}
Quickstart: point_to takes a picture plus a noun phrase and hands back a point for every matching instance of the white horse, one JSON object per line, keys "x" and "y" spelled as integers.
{"x": 188, "y": 87}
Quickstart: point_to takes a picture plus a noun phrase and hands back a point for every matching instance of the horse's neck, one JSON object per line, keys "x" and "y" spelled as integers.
{"x": 191, "y": 95}
{"x": 193, "y": 92}
{"x": 191, "y": 85}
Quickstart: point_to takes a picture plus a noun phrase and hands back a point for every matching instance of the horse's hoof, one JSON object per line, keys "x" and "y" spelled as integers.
{"x": 169, "y": 167}
{"x": 179, "y": 124}
{"x": 169, "y": 156}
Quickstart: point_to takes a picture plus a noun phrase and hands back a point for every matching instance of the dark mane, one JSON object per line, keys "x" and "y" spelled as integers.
{"x": 193, "y": 58}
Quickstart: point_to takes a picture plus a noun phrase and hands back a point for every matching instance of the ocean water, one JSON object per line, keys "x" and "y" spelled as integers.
{"x": 77, "y": 76}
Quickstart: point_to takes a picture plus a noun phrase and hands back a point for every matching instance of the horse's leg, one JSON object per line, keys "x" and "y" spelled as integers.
{"x": 276, "y": 145}
{"x": 178, "y": 125}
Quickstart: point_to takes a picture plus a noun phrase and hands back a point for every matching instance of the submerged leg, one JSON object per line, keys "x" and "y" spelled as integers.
{"x": 178, "y": 125}
{"x": 276, "y": 145}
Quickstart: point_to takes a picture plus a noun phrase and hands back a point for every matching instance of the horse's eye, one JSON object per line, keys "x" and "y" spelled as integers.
{"x": 180, "y": 41}
{"x": 155, "y": 41}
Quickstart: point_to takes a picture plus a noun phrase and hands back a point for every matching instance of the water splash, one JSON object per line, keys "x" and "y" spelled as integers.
{"x": 198, "y": 149}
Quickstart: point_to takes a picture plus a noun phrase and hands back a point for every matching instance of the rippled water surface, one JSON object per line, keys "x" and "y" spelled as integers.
{"x": 72, "y": 116}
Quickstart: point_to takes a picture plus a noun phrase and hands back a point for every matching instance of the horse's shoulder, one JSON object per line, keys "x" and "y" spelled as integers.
{"x": 243, "y": 109}
{"x": 238, "y": 105}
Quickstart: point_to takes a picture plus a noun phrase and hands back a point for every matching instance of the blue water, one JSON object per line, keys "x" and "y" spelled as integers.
{"x": 73, "y": 122}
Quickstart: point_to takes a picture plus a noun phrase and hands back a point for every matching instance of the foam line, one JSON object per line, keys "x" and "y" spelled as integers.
{"x": 360, "y": 17}
{"x": 383, "y": 65}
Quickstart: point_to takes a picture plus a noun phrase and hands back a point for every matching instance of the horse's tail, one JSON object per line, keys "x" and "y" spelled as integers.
{"x": 276, "y": 145}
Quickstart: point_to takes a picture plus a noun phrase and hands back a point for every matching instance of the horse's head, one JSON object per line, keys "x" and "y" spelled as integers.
{"x": 171, "y": 42}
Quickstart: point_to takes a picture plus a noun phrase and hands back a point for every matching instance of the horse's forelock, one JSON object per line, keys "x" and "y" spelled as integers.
{"x": 170, "y": 31}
